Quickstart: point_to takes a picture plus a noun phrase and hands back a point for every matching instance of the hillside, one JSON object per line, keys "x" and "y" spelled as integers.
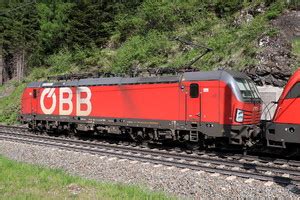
{"x": 41, "y": 39}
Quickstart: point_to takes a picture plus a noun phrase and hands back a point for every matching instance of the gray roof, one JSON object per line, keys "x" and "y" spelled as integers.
{"x": 187, "y": 76}
{"x": 212, "y": 75}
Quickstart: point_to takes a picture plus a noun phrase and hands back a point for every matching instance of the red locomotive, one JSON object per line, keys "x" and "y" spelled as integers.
{"x": 198, "y": 107}
{"x": 285, "y": 126}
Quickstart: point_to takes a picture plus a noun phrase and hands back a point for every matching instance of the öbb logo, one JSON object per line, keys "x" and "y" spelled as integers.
{"x": 65, "y": 98}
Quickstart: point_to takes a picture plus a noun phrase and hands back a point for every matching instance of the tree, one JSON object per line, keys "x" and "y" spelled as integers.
{"x": 90, "y": 23}
{"x": 19, "y": 27}
{"x": 1, "y": 66}
{"x": 54, "y": 26}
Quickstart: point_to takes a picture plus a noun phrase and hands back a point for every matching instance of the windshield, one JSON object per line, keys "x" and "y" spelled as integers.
{"x": 247, "y": 88}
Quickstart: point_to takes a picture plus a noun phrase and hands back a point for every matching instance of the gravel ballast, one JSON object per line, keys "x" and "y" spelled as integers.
{"x": 179, "y": 182}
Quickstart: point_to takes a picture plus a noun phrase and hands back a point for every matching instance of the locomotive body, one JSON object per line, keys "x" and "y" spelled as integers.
{"x": 283, "y": 130}
{"x": 194, "y": 107}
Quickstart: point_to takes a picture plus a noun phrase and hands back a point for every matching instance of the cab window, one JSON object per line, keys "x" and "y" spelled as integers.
{"x": 294, "y": 92}
{"x": 247, "y": 88}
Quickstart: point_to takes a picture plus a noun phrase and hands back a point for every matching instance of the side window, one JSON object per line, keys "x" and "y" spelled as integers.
{"x": 194, "y": 90}
{"x": 294, "y": 92}
{"x": 34, "y": 94}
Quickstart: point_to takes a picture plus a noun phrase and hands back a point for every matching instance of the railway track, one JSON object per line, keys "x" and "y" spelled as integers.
{"x": 276, "y": 170}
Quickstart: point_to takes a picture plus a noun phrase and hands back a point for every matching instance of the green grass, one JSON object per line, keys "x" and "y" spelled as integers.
{"x": 296, "y": 50}
{"x": 296, "y": 46}
{"x": 10, "y": 105}
{"x": 24, "y": 181}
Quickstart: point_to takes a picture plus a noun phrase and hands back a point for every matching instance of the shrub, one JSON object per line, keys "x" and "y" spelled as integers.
{"x": 149, "y": 50}
{"x": 275, "y": 10}
{"x": 61, "y": 62}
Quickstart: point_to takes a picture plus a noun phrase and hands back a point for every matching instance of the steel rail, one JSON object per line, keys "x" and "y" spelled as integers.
{"x": 180, "y": 156}
{"x": 164, "y": 158}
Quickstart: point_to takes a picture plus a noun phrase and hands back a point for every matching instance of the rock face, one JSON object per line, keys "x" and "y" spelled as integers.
{"x": 289, "y": 23}
{"x": 276, "y": 62}
{"x": 247, "y": 15}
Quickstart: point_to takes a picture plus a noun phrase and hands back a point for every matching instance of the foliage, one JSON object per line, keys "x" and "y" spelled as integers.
{"x": 148, "y": 51}
{"x": 223, "y": 8}
{"x": 275, "y": 10}
{"x": 294, "y": 4}
{"x": 296, "y": 50}
{"x": 18, "y": 28}
{"x": 18, "y": 32}
{"x": 61, "y": 62}
{"x": 89, "y": 23}
{"x": 54, "y": 25}
{"x": 209, "y": 22}
{"x": 10, "y": 105}
{"x": 24, "y": 181}
{"x": 296, "y": 46}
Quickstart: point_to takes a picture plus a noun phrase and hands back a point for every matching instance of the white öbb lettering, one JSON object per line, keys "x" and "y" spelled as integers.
{"x": 65, "y": 101}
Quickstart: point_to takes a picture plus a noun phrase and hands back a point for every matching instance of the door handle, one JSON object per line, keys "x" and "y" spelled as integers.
{"x": 199, "y": 115}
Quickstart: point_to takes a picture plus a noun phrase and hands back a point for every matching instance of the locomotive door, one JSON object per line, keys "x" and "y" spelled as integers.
{"x": 34, "y": 103}
{"x": 193, "y": 104}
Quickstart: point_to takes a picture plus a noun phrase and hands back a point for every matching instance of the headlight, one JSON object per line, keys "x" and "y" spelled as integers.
{"x": 239, "y": 117}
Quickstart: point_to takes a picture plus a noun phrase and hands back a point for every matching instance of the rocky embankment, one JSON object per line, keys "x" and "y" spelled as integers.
{"x": 276, "y": 61}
